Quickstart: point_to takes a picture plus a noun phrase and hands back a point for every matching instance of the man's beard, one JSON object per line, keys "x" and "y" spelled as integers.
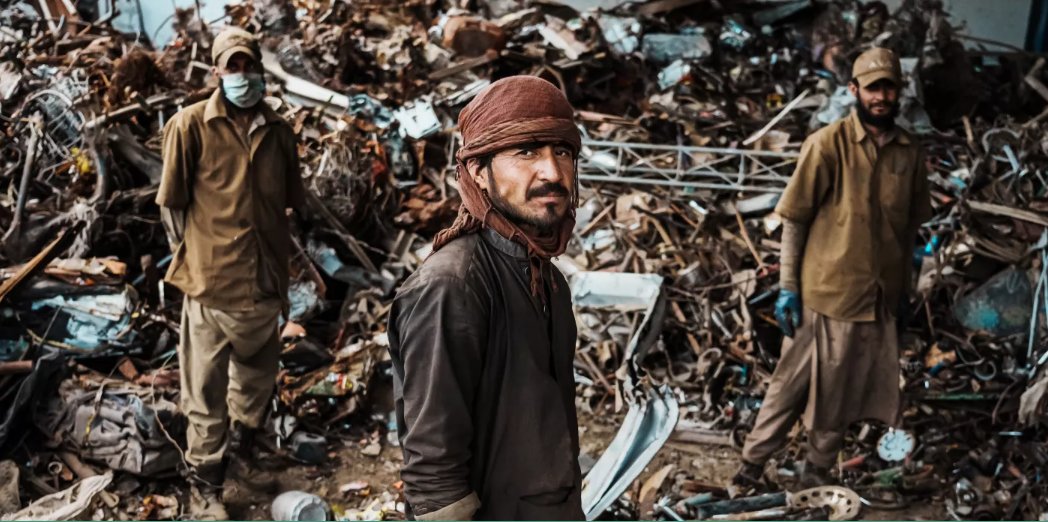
{"x": 544, "y": 224}
{"x": 883, "y": 122}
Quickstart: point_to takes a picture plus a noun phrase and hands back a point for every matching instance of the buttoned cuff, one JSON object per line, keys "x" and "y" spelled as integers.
{"x": 460, "y": 510}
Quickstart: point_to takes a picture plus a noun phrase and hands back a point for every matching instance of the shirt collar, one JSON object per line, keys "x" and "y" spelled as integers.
{"x": 216, "y": 108}
{"x": 506, "y": 246}
{"x": 859, "y": 131}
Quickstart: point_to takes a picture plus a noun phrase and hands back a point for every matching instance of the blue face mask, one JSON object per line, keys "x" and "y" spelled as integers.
{"x": 244, "y": 89}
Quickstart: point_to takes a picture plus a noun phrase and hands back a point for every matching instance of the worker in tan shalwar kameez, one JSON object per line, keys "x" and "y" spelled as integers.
{"x": 230, "y": 176}
{"x": 851, "y": 214}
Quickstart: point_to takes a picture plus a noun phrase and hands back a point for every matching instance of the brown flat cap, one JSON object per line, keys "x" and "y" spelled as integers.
{"x": 231, "y": 41}
{"x": 877, "y": 64}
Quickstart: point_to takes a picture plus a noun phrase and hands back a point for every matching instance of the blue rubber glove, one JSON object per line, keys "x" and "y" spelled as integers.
{"x": 788, "y": 311}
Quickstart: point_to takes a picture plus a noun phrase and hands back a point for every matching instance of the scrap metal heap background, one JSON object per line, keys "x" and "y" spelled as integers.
{"x": 693, "y": 113}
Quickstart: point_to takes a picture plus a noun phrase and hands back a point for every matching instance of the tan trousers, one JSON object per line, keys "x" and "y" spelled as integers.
{"x": 782, "y": 408}
{"x": 834, "y": 373}
{"x": 229, "y": 363}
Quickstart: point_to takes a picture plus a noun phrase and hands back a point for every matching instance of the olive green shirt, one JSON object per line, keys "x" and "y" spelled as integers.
{"x": 863, "y": 205}
{"x": 235, "y": 189}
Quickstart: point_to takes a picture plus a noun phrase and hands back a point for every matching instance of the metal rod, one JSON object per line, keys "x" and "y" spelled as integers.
{"x": 23, "y": 186}
{"x": 1034, "y": 317}
{"x": 690, "y": 148}
{"x": 684, "y": 184}
{"x": 98, "y": 149}
{"x": 706, "y": 174}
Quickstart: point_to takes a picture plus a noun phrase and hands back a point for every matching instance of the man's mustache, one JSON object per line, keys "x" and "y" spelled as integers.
{"x": 548, "y": 189}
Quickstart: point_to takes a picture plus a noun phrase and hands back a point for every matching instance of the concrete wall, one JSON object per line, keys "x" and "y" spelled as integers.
{"x": 156, "y": 15}
{"x": 1001, "y": 20}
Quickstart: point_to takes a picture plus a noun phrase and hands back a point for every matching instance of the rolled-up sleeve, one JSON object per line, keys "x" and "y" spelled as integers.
{"x": 180, "y": 163}
{"x": 440, "y": 330}
{"x": 811, "y": 181}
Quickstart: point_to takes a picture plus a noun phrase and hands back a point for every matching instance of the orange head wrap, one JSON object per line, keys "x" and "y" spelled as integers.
{"x": 511, "y": 112}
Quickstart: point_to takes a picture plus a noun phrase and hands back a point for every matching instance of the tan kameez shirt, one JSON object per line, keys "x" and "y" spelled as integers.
{"x": 863, "y": 205}
{"x": 235, "y": 189}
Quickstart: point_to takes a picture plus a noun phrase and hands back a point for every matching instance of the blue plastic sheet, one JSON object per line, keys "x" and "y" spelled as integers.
{"x": 1001, "y": 306}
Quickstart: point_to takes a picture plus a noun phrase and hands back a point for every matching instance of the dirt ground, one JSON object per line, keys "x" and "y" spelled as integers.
{"x": 348, "y": 465}
{"x": 713, "y": 464}
{"x": 717, "y": 465}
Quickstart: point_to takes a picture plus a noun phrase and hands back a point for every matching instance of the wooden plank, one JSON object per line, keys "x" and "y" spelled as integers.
{"x": 39, "y": 262}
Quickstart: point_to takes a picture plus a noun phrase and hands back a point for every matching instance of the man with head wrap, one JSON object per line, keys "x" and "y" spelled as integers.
{"x": 850, "y": 218}
{"x": 482, "y": 336}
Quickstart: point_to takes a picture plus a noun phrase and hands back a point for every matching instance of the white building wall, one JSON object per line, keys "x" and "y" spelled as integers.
{"x": 1000, "y": 20}
{"x": 157, "y": 15}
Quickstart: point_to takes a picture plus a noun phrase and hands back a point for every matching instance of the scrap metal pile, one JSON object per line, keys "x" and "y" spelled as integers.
{"x": 693, "y": 112}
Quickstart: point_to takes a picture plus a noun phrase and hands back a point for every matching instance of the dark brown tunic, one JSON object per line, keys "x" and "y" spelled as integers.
{"x": 484, "y": 385}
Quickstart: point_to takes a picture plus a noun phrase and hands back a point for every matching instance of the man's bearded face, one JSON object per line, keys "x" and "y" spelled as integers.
{"x": 531, "y": 185}
{"x": 878, "y": 103}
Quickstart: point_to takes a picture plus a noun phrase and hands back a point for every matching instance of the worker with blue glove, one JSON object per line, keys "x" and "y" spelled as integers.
{"x": 850, "y": 218}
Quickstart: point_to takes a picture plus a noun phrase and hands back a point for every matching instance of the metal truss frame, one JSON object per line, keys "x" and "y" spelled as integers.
{"x": 681, "y": 167}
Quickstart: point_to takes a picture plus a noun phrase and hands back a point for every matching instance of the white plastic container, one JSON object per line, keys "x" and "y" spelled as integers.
{"x": 299, "y": 505}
